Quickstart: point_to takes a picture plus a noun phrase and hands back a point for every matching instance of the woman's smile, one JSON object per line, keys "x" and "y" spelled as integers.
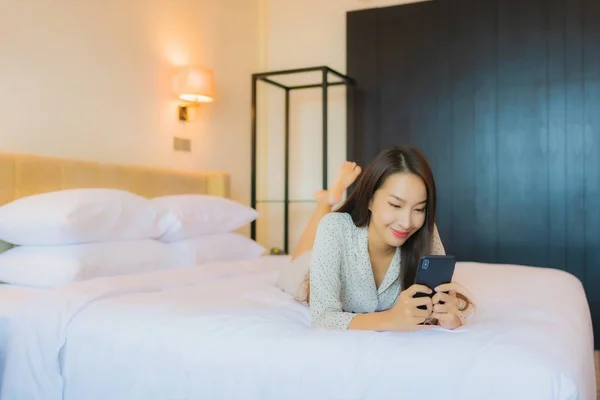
{"x": 400, "y": 234}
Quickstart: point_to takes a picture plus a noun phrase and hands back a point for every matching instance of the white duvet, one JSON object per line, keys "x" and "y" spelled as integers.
{"x": 224, "y": 331}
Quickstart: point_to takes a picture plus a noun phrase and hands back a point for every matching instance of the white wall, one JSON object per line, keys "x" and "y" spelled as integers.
{"x": 92, "y": 79}
{"x": 302, "y": 34}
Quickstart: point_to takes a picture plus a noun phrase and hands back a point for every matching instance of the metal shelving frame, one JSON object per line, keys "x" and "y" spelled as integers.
{"x": 268, "y": 77}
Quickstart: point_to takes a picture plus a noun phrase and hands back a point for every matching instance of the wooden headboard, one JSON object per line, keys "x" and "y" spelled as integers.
{"x": 24, "y": 174}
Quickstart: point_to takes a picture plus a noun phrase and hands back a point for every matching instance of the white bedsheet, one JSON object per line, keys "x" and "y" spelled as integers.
{"x": 224, "y": 331}
{"x": 12, "y": 299}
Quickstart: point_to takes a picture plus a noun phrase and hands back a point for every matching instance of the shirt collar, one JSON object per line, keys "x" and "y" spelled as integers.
{"x": 393, "y": 273}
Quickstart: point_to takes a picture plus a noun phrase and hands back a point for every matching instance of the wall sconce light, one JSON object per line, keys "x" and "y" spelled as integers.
{"x": 194, "y": 85}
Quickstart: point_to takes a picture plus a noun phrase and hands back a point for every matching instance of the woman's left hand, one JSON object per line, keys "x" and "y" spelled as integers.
{"x": 448, "y": 313}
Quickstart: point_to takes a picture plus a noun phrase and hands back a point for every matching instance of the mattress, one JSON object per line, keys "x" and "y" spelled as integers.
{"x": 224, "y": 331}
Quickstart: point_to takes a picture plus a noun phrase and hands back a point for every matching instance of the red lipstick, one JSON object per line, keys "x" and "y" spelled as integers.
{"x": 400, "y": 234}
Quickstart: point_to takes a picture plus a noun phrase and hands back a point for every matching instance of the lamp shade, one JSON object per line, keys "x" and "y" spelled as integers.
{"x": 195, "y": 84}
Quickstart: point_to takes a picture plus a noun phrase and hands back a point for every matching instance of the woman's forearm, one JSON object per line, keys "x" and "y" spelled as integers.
{"x": 376, "y": 321}
{"x": 383, "y": 321}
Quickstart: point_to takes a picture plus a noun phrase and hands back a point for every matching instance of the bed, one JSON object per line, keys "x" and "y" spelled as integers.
{"x": 27, "y": 174}
{"x": 12, "y": 298}
{"x": 223, "y": 330}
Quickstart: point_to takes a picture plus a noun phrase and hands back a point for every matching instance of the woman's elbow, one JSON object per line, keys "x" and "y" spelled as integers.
{"x": 317, "y": 319}
{"x": 333, "y": 321}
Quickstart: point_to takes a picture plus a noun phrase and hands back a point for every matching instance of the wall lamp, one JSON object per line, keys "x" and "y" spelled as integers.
{"x": 194, "y": 85}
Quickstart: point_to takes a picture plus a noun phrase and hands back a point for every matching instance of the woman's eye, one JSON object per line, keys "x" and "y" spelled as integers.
{"x": 420, "y": 210}
{"x": 394, "y": 205}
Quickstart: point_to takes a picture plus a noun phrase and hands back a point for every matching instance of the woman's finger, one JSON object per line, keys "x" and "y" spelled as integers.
{"x": 441, "y": 296}
{"x": 443, "y": 317}
{"x": 443, "y": 308}
{"x": 414, "y": 289}
{"x": 417, "y": 327}
{"x": 418, "y": 313}
{"x": 452, "y": 287}
{"x": 448, "y": 321}
{"x": 420, "y": 301}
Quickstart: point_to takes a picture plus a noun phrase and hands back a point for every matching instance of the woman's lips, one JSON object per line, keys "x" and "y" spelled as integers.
{"x": 400, "y": 234}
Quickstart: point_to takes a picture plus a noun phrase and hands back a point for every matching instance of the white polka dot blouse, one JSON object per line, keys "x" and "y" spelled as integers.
{"x": 341, "y": 276}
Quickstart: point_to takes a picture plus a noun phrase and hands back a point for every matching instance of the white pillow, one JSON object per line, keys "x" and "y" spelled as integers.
{"x": 197, "y": 215}
{"x": 79, "y": 216}
{"x": 218, "y": 247}
{"x": 50, "y": 266}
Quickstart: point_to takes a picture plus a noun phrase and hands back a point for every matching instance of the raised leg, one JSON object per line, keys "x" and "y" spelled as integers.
{"x": 308, "y": 236}
{"x": 326, "y": 200}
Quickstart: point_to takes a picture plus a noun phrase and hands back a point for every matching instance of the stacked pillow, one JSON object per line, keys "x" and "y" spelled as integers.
{"x": 77, "y": 234}
{"x": 204, "y": 225}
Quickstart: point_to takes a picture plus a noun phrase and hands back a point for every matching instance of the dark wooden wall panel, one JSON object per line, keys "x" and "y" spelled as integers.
{"x": 461, "y": 134}
{"x": 485, "y": 67}
{"x": 503, "y": 96}
{"x": 591, "y": 142}
{"x": 557, "y": 122}
{"x": 522, "y": 132}
{"x": 573, "y": 192}
{"x": 437, "y": 143}
{"x": 364, "y": 39}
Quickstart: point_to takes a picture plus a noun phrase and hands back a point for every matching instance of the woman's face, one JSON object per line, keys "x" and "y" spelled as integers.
{"x": 398, "y": 209}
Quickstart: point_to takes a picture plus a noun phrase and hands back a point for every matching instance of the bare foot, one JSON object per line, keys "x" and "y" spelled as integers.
{"x": 349, "y": 171}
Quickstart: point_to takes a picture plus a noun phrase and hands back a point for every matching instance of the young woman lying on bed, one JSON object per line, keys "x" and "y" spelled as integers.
{"x": 355, "y": 253}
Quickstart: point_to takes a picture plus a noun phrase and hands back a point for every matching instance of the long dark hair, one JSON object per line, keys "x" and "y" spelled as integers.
{"x": 399, "y": 159}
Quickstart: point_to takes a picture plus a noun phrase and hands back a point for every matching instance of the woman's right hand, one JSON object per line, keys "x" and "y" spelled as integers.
{"x": 405, "y": 314}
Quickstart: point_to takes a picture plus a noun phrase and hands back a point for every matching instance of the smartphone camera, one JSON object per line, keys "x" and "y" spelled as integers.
{"x": 425, "y": 264}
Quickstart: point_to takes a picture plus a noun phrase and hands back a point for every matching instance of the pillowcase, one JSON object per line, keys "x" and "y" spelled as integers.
{"x": 79, "y": 216}
{"x": 218, "y": 247}
{"x": 50, "y": 266}
{"x": 198, "y": 215}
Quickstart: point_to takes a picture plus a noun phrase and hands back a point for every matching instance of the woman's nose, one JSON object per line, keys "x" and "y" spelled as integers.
{"x": 404, "y": 220}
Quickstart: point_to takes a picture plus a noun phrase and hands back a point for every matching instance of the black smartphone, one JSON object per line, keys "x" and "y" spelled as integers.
{"x": 433, "y": 271}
